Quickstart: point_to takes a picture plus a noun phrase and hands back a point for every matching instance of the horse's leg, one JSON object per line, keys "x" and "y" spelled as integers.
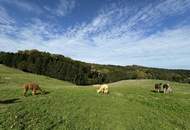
{"x": 25, "y": 91}
{"x": 33, "y": 92}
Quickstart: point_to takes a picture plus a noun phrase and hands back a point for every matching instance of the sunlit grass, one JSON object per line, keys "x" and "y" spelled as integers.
{"x": 130, "y": 105}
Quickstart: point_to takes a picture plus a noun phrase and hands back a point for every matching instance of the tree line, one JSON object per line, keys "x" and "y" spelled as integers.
{"x": 81, "y": 73}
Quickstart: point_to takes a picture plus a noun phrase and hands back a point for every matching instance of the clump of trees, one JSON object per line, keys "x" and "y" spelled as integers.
{"x": 56, "y": 66}
{"x": 81, "y": 73}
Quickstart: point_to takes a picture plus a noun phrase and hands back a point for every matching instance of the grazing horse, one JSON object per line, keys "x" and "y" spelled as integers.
{"x": 31, "y": 86}
{"x": 167, "y": 88}
{"x": 158, "y": 87}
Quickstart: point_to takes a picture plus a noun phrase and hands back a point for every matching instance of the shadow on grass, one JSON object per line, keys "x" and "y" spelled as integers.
{"x": 9, "y": 101}
{"x": 44, "y": 93}
{"x": 39, "y": 93}
{"x": 154, "y": 91}
{"x": 2, "y": 82}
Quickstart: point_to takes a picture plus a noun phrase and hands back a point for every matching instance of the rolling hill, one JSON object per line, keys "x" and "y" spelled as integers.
{"x": 81, "y": 73}
{"x": 130, "y": 105}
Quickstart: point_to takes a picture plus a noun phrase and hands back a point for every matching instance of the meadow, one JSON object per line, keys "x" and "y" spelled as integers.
{"x": 131, "y": 105}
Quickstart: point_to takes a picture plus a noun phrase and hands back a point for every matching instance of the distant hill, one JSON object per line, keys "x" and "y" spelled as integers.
{"x": 81, "y": 73}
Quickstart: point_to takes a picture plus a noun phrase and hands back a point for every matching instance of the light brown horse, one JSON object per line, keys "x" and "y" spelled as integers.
{"x": 103, "y": 89}
{"x": 31, "y": 86}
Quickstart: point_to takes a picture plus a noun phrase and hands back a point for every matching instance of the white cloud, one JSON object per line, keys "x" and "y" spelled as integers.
{"x": 64, "y": 7}
{"x": 4, "y": 17}
{"x": 6, "y": 21}
{"x": 24, "y": 5}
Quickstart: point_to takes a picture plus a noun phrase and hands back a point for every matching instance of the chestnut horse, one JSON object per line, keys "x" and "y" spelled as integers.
{"x": 31, "y": 86}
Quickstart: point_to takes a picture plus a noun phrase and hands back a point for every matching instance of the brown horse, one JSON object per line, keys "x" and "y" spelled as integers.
{"x": 31, "y": 86}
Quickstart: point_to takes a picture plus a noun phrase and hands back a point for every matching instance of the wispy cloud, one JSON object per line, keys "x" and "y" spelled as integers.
{"x": 24, "y": 5}
{"x": 65, "y": 7}
{"x": 62, "y": 8}
{"x": 6, "y": 22}
{"x": 5, "y": 18}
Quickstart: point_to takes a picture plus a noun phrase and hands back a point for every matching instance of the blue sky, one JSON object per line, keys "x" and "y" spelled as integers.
{"x": 121, "y": 32}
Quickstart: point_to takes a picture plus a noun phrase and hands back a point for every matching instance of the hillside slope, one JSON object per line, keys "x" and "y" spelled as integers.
{"x": 130, "y": 105}
{"x": 81, "y": 73}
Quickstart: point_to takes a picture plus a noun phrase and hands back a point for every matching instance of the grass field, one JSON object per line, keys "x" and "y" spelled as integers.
{"x": 130, "y": 105}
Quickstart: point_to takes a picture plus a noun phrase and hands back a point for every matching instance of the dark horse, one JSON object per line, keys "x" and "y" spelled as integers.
{"x": 158, "y": 87}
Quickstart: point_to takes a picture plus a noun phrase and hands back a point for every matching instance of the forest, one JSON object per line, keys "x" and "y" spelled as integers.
{"x": 81, "y": 73}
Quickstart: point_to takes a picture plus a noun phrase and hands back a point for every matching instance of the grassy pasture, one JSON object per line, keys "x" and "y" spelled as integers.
{"x": 130, "y": 105}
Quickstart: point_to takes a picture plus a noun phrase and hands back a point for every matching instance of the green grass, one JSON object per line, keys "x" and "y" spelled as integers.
{"x": 130, "y": 105}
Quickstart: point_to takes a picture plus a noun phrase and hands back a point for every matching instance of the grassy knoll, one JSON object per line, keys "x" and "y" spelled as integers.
{"x": 129, "y": 106}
